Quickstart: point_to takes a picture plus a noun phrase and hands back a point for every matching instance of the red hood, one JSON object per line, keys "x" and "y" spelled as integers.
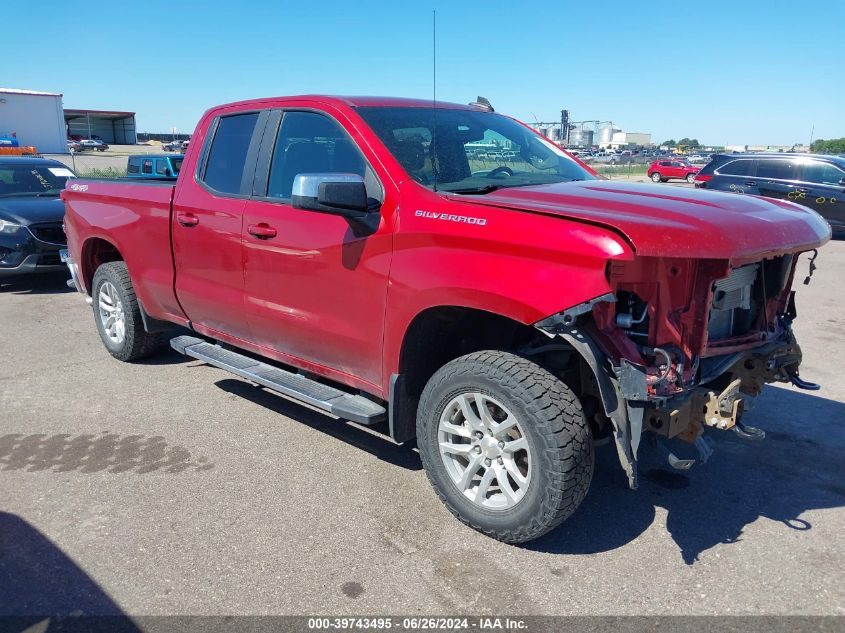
{"x": 660, "y": 220}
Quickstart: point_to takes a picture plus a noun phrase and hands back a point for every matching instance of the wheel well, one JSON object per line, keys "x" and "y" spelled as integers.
{"x": 439, "y": 335}
{"x": 95, "y": 253}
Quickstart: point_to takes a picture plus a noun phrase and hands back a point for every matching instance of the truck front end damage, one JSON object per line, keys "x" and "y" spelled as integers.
{"x": 684, "y": 345}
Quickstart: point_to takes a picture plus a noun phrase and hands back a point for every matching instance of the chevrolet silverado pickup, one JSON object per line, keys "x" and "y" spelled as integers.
{"x": 504, "y": 309}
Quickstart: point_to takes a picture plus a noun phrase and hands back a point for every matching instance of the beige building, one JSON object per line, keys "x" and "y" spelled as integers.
{"x": 621, "y": 139}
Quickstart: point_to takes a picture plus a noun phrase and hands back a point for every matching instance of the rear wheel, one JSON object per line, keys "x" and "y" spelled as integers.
{"x": 655, "y": 177}
{"x": 505, "y": 445}
{"x": 118, "y": 315}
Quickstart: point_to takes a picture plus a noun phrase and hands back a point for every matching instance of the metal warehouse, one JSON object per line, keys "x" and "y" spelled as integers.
{"x": 112, "y": 127}
{"x": 33, "y": 118}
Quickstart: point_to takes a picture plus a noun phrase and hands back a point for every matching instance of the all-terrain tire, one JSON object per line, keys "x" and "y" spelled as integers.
{"x": 553, "y": 423}
{"x": 137, "y": 343}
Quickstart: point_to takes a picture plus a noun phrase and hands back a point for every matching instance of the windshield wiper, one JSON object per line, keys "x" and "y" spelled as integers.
{"x": 474, "y": 190}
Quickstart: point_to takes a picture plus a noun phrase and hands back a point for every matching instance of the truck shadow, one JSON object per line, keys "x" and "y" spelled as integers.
{"x": 800, "y": 466}
{"x": 44, "y": 590}
{"x": 93, "y": 453}
{"x": 376, "y": 443}
{"x": 38, "y": 284}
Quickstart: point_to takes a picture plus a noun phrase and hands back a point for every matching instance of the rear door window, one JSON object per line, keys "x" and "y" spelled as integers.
{"x": 741, "y": 167}
{"x": 226, "y": 162}
{"x": 777, "y": 169}
{"x": 147, "y": 166}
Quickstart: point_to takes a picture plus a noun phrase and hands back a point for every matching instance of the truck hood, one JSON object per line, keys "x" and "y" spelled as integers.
{"x": 661, "y": 220}
{"x": 28, "y": 210}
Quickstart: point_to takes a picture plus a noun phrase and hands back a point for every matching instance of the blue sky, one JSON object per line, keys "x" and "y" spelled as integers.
{"x": 724, "y": 72}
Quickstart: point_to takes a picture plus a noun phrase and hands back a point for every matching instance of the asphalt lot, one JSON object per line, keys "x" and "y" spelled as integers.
{"x": 170, "y": 487}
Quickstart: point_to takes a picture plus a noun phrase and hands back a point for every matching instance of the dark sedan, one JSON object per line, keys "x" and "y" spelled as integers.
{"x": 31, "y": 215}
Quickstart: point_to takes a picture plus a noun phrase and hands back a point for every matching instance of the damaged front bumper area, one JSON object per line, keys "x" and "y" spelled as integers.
{"x": 627, "y": 393}
{"x": 718, "y": 404}
{"x": 680, "y": 347}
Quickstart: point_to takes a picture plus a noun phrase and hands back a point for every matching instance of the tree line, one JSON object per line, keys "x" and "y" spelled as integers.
{"x": 687, "y": 142}
{"x": 831, "y": 146}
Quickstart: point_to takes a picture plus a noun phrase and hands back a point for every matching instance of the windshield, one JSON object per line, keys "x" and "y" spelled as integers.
{"x": 33, "y": 180}
{"x": 472, "y": 152}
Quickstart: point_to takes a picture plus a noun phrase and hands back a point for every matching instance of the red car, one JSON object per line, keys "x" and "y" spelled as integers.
{"x": 672, "y": 168}
{"x": 500, "y": 303}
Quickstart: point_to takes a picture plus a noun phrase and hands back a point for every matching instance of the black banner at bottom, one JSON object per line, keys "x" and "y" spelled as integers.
{"x": 408, "y": 624}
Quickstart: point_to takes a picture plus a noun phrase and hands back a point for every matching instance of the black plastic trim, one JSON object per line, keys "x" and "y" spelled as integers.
{"x": 401, "y": 412}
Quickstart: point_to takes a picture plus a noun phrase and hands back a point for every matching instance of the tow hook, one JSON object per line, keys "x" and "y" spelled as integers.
{"x": 674, "y": 461}
{"x": 812, "y": 267}
{"x": 747, "y": 432}
{"x": 802, "y": 384}
{"x": 702, "y": 445}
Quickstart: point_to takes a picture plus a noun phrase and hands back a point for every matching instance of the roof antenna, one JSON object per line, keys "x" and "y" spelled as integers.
{"x": 434, "y": 95}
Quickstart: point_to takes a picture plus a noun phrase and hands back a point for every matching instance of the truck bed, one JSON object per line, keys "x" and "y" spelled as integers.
{"x": 132, "y": 215}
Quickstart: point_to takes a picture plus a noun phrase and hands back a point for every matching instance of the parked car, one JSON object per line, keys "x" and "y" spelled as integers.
{"x": 73, "y": 146}
{"x": 815, "y": 181}
{"x": 663, "y": 170}
{"x": 696, "y": 159}
{"x": 91, "y": 144}
{"x": 154, "y": 166}
{"x": 503, "y": 319}
{"x": 31, "y": 215}
{"x": 175, "y": 146}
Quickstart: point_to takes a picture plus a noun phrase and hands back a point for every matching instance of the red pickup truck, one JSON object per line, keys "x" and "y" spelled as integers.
{"x": 448, "y": 273}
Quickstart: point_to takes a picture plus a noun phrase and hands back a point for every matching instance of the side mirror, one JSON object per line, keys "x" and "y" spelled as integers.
{"x": 338, "y": 194}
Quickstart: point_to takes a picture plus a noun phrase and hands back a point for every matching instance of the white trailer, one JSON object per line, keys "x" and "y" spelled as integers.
{"x": 35, "y": 118}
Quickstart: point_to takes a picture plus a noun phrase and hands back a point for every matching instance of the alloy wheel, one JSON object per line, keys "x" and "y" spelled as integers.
{"x": 110, "y": 309}
{"x": 485, "y": 451}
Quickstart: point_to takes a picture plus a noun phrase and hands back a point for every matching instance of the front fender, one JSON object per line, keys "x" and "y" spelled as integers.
{"x": 519, "y": 265}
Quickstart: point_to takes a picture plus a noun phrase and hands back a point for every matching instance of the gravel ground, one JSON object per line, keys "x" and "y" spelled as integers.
{"x": 170, "y": 487}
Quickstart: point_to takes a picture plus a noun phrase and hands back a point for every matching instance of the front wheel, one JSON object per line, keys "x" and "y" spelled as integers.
{"x": 690, "y": 178}
{"x": 118, "y": 315}
{"x": 505, "y": 445}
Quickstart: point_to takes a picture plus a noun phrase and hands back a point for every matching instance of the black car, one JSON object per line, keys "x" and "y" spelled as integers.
{"x": 31, "y": 215}
{"x": 813, "y": 180}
